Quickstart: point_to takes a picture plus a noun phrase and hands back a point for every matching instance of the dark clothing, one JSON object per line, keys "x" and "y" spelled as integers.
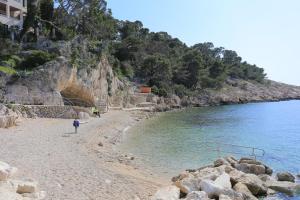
{"x": 76, "y": 123}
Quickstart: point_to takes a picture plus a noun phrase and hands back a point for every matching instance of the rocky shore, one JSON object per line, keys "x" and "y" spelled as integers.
{"x": 230, "y": 179}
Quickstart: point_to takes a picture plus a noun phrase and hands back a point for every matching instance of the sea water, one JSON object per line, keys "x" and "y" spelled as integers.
{"x": 193, "y": 137}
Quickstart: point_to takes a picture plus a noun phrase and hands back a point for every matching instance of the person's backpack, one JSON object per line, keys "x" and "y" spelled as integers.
{"x": 76, "y": 123}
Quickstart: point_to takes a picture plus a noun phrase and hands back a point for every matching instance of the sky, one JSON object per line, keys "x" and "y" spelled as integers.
{"x": 262, "y": 32}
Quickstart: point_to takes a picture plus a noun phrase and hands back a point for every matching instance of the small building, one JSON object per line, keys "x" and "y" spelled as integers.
{"x": 12, "y": 12}
{"x": 145, "y": 89}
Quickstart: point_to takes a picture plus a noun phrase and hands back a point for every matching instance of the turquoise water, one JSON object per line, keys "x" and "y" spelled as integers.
{"x": 180, "y": 140}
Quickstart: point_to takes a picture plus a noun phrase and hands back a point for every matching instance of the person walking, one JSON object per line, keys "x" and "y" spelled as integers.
{"x": 76, "y": 124}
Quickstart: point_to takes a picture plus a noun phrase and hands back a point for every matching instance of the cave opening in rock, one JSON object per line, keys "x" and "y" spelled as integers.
{"x": 76, "y": 96}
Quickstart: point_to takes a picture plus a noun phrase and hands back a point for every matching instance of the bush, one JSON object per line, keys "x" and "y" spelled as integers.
{"x": 7, "y": 70}
{"x": 35, "y": 59}
{"x": 180, "y": 90}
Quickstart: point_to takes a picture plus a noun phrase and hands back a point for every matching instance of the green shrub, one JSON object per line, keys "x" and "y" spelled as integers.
{"x": 35, "y": 59}
{"x": 7, "y": 70}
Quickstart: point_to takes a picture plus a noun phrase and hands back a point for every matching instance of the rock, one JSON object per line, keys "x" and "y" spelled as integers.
{"x": 100, "y": 144}
{"x": 286, "y": 187}
{"x": 167, "y": 193}
{"x": 26, "y": 186}
{"x": 220, "y": 161}
{"x": 188, "y": 184}
{"x": 243, "y": 167}
{"x": 235, "y": 175}
{"x": 231, "y": 160}
{"x": 265, "y": 177}
{"x": 224, "y": 181}
{"x": 269, "y": 171}
{"x": 257, "y": 169}
{"x": 253, "y": 183}
{"x": 271, "y": 192}
{"x": 197, "y": 195}
{"x": 224, "y": 197}
{"x": 6, "y": 171}
{"x": 180, "y": 176}
{"x": 210, "y": 173}
{"x": 225, "y": 168}
{"x": 285, "y": 176}
{"x": 214, "y": 190}
{"x": 242, "y": 188}
{"x": 83, "y": 115}
{"x": 249, "y": 161}
{"x": 37, "y": 195}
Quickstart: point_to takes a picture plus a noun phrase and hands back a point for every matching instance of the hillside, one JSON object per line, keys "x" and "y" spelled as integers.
{"x": 91, "y": 58}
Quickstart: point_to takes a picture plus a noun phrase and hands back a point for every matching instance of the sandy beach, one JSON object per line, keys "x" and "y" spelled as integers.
{"x": 80, "y": 166}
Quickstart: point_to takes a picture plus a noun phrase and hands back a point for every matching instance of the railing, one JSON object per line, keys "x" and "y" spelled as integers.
{"x": 233, "y": 149}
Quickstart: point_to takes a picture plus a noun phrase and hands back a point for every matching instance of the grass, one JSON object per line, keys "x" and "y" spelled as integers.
{"x": 8, "y": 70}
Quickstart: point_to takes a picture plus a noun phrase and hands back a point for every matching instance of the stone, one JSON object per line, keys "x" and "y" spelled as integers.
{"x": 224, "y": 181}
{"x": 257, "y": 169}
{"x": 26, "y": 186}
{"x": 242, "y": 188}
{"x": 188, "y": 184}
{"x": 286, "y": 187}
{"x": 180, "y": 176}
{"x": 253, "y": 183}
{"x": 265, "y": 177}
{"x": 6, "y": 171}
{"x": 214, "y": 190}
{"x": 285, "y": 176}
{"x": 231, "y": 160}
{"x": 224, "y": 197}
{"x": 235, "y": 175}
{"x": 269, "y": 171}
{"x": 243, "y": 167}
{"x": 220, "y": 161}
{"x": 167, "y": 193}
{"x": 249, "y": 161}
{"x": 210, "y": 173}
{"x": 197, "y": 195}
{"x": 271, "y": 192}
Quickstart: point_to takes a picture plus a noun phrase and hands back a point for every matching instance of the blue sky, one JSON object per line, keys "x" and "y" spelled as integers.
{"x": 263, "y": 32}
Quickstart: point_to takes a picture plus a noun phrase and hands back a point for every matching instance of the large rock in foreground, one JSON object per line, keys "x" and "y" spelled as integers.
{"x": 230, "y": 179}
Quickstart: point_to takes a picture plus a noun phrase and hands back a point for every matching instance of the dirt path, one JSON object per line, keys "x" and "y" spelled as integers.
{"x": 72, "y": 166}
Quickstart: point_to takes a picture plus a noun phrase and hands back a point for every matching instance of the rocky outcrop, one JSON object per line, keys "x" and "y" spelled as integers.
{"x": 11, "y": 189}
{"x": 8, "y": 118}
{"x": 285, "y": 176}
{"x": 226, "y": 179}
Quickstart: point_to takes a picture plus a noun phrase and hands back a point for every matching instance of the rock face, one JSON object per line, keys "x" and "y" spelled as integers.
{"x": 229, "y": 178}
{"x": 17, "y": 189}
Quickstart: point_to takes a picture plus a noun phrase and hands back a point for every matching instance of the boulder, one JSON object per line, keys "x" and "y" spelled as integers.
{"x": 197, "y": 195}
{"x": 180, "y": 176}
{"x": 286, "y": 187}
{"x": 6, "y": 171}
{"x": 224, "y": 181}
{"x": 224, "y": 197}
{"x": 26, "y": 186}
{"x": 242, "y": 188}
{"x": 231, "y": 160}
{"x": 269, "y": 171}
{"x": 265, "y": 177}
{"x": 285, "y": 176}
{"x": 210, "y": 173}
{"x": 214, "y": 190}
{"x": 243, "y": 167}
{"x": 235, "y": 175}
{"x": 188, "y": 184}
{"x": 167, "y": 193}
{"x": 253, "y": 183}
{"x": 220, "y": 161}
{"x": 249, "y": 161}
{"x": 257, "y": 169}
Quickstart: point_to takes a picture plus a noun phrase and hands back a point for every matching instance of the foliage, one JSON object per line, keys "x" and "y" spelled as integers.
{"x": 35, "y": 59}
{"x": 7, "y": 70}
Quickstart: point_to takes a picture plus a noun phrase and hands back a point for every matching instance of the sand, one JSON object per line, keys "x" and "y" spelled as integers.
{"x": 78, "y": 166}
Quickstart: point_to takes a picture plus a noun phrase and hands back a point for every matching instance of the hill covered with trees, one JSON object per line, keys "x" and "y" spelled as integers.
{"x": 155, "y": 59}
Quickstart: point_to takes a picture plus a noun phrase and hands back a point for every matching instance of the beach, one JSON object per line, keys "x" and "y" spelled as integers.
{"x": 86, "y": 165}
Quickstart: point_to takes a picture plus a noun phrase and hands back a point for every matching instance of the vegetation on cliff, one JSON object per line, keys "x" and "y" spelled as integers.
{"x": 152, "y": 58}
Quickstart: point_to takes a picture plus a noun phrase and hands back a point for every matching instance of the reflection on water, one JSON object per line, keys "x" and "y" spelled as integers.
{"x": 176, "y": 141}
